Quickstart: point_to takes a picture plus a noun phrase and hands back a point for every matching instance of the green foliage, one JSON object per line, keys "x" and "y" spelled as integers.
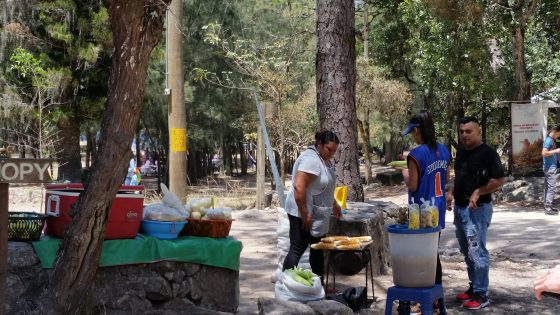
{"x": 64, "y": 61}
{"x": 273, "y": 54}
{"x": 100, "y": 31}
{"x": 380, "y": 96}
{"x": 24, "y": 65}
{"x": 543, "y": 50}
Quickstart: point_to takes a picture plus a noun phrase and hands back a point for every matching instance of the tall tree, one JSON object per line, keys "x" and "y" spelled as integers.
{"x": 336, "y": 85}
{"x": 77, "y": 31}
{"x": 273, "y": 54}
{"x": 363, "y": 124}
{"x": 522, "y": 10}
{"x": 137, "y": 27}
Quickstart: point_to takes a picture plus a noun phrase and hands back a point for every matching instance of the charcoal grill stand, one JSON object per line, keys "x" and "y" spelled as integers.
{"x": 365, "y": 250}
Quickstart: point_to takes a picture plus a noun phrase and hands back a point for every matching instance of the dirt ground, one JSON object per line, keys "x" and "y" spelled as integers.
{"x": 522, "y": 241}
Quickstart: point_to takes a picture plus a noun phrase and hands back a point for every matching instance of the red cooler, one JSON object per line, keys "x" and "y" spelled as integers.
{"x": 125, "y": 214}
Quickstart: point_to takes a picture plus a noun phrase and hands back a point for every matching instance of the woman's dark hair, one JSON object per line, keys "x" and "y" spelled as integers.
{"x": 326, "y": 136}
{"x": 426, "y": 126}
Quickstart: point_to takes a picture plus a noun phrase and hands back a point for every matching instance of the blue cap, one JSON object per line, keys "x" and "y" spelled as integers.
{"x": 409, "y": 128}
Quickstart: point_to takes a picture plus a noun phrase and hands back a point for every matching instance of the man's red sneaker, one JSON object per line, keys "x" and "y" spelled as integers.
{"x": 463, "y": 297}
{"x": 476, "y": 302}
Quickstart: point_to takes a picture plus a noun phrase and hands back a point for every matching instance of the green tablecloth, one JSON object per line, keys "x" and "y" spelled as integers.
{"x": 217, "y": 252}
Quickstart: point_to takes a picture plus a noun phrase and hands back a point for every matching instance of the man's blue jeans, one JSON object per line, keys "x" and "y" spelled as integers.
{"x": 550, "y": 178}
{"x": 471, "y": 227}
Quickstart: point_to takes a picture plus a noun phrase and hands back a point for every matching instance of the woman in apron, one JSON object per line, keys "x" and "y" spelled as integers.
{"x": 310, "y": 201}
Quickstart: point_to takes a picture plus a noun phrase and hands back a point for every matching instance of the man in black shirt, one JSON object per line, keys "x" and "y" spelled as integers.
{"x": 478, "y": 173}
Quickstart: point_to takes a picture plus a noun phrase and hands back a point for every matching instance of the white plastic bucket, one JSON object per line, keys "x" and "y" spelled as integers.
{"x": 413, "y": 255}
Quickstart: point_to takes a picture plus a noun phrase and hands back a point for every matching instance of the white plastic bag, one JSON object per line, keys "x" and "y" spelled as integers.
{"x": 289, "y": 290}
{"x": 169, "y": 209}
{"x": 169, "y": 199}
{"x": 199, "y": 204}
{"x": 161, "y": 212}
{"x": 218, "y": 214}
{"x": 297, "y": 287}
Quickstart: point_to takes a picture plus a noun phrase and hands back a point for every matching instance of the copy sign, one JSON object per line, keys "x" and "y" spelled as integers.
{"x": 24, "y": 170}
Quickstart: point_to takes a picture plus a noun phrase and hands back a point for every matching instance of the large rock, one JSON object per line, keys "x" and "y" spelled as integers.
{"x": 330, "y": 307}
{"x": 526, "y": 189}
{"x": 160, "y": 288}
{"x": 368, "y": 219}
{"x": 389, "y": 178}
{"x": 270, "y": 306}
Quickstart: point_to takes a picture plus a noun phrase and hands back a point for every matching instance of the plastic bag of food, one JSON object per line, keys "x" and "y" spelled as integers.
{"x": 218, "y": 214}
{"x": 425, "y": 214}
{"x": 429, "y": 214}
{"x": 161, "y": 212}
{"x": 288, "y": 289}
{"x": 435, "y": 212}
{"x": 413, "y": 216}
{"x": 169, "y": 199}
{"x": 169, "y": 209}
{"x": 199, "y": 204}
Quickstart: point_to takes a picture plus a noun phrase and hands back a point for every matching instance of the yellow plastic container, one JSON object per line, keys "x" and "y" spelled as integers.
{"x": 340, "y": 194}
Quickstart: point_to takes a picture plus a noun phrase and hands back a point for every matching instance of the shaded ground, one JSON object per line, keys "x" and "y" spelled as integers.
{"x": 522, "y": 241}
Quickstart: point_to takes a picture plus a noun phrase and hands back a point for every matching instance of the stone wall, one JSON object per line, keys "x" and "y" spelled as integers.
{"x": 160, "y": 288}
{"x": 369, "y": 219}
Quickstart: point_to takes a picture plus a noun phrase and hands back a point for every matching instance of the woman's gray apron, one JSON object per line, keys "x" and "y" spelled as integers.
{"x": 323, "y": 203}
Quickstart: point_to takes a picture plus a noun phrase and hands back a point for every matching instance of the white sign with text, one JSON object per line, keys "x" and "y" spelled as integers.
{"x": 24, "y": 170}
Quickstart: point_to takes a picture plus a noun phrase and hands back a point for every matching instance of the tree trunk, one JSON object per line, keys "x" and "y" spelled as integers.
{"x": 196, "y": 171}
{"x": 484, "y": 123}
{"x": 522, "y": 12}
{"x": 21, "y": 147}
{"x": 242, "y": 158}
{"x": 89, "y": 146}
{"x": 136, "y": 27}
{"x": 336, "y": 84}
{"x": 282, "y": 153}
{"x": 137, "y": 154}
{"x": 522, "y": 83}
{"x": 390, "y": 149}
{"x": 92, "y": 140}
{"x": 235, "y": 162}
{"x": 364, "y": 132}
{"x": 68, "y": 149}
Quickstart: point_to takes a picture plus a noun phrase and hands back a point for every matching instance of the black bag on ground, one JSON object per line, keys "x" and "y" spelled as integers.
{"x": 354, "y": 298}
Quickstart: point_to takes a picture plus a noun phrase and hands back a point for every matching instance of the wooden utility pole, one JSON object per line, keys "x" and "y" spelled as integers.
{"x": 261, "y": 161}
{"x": 177, "y": 114}
{"x": 261, "y": 156}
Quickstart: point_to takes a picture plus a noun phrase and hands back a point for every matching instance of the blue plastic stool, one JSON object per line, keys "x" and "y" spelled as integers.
{"x": 424, "y": 296}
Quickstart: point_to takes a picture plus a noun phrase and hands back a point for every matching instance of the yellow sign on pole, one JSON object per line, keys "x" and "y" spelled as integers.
{"x": 178, "y": 139}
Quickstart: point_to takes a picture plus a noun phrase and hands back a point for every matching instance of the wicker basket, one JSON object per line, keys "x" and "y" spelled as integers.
{"x": 25, "y": 226}
{"x": 207, "y": 228}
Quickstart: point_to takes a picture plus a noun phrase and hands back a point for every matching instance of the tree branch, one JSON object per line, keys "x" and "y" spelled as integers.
{"x": 529, "y": 11}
